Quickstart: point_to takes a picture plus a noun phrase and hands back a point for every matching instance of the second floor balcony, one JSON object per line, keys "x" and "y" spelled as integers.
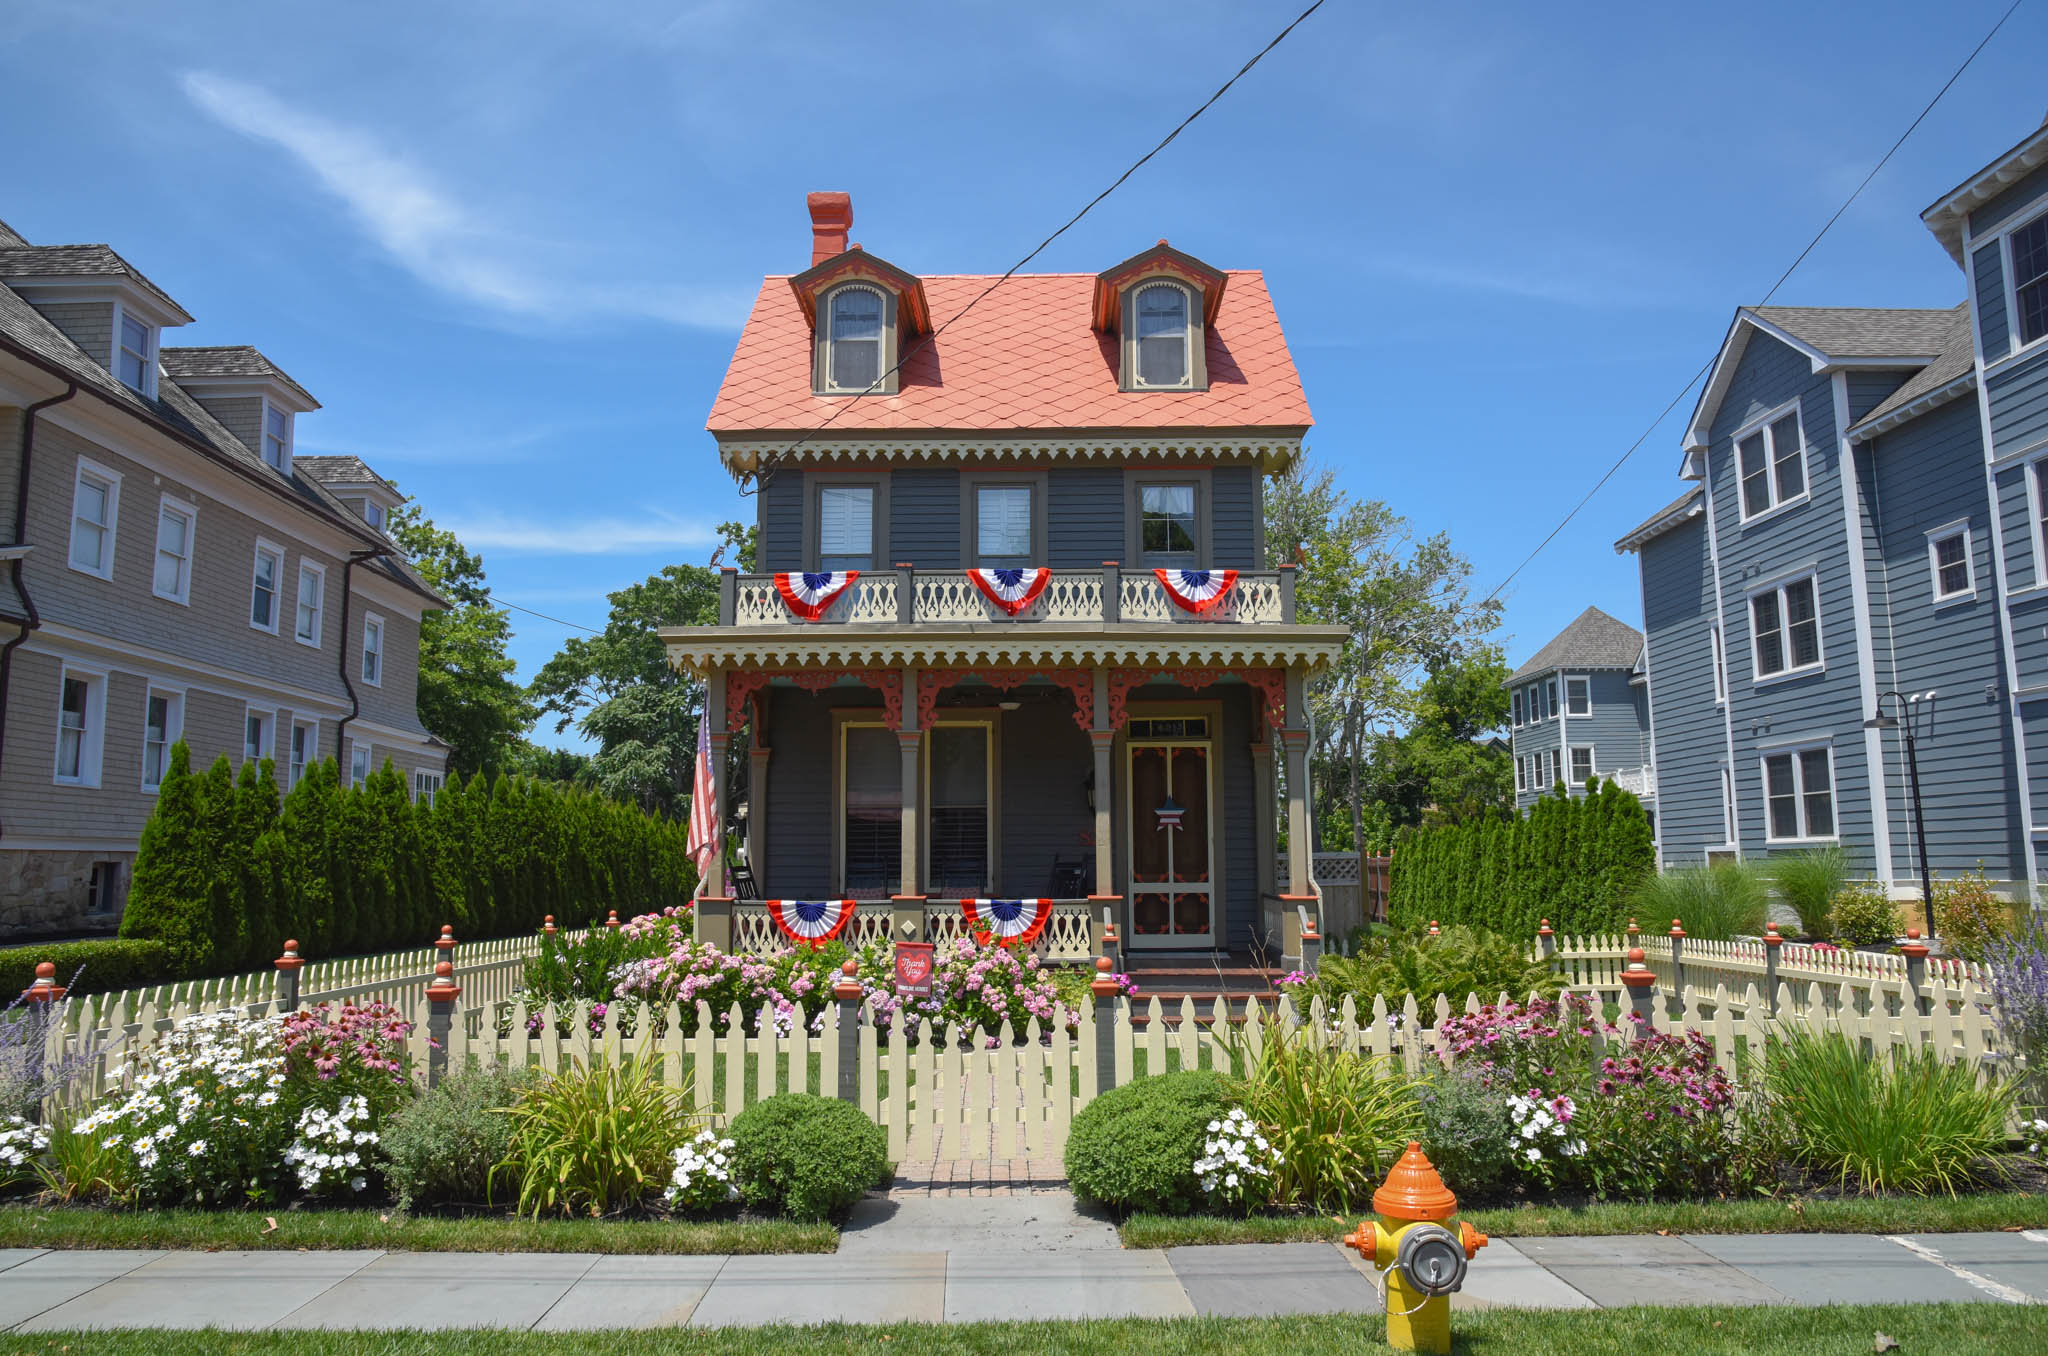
{"x": 1108, "y": 596}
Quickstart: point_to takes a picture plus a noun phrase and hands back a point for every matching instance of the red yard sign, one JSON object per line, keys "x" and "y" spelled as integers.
{"x": 913, "y": 969}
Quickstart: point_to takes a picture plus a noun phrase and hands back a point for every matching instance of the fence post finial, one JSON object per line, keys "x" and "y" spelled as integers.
{"x": 445, "y": 943}
{"x": 1433, "y": 930}
{"x": 846, "y": 994}
{"x": 288, "y": 967}
{"x": 1105, "y": 989}
{"x": 612, "y": 920}
{"x": 1641, "y": 982}
{"x": 1915, "y": 951}
{"x": 1677, "y": 1007}
{"x": 1546, "y": 939}
{"x": 547, "y": 927}
{"x": 441, "y": 996}
{"x": 1772, "y": 941}
{"x": 45, "y": 989}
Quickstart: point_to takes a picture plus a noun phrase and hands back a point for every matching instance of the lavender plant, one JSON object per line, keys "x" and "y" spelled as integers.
{"x": 28, "y": 1077}
{"x": 2019, "y": 987}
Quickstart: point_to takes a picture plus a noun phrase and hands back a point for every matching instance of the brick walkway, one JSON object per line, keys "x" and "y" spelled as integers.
{"x": 978, "y": 1177}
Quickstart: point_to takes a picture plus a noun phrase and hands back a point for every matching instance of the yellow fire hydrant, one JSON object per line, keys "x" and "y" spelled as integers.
{"x": 1423, "y": 1260}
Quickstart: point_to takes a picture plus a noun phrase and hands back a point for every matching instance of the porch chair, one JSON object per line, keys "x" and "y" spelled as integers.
{"x": 1069, "y": 877}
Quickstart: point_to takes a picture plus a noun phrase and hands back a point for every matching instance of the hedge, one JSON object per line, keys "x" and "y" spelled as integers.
{"x": 1575, "y": 860}
{"x": 227, "y": 870}
{"x": 98, "y": 966}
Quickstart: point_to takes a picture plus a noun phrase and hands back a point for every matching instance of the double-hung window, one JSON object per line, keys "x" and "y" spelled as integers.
{"x": 373, "y": 650}
{"x": 305, "y": 747}
{"x": 95, "y": 507}
{"x": 263, "y": 587}
{"x": 2030, "y": 279}
{"x": 854, "y": 352}
{"x": 1168, "y": 536}
{"x": 277, "y": 437}
{"x": 1002, "y": 527}
{"x": 1785, "y": 628}
{"x": 1578, "y": 696}
{"x": 1582, "y": 763}
{"x": 358, "y": 764}
{"x": 81, "y": 713}
{"x": 1550, "y": 706}
{"x": 1521, "y": 775}
{"x": 257, "y": 732}
{"x": 311, "y": 609}
{"x": 1518, "y": 706}
{"x": 425, "y": 785}
{"x": 174, "y": 521}
{"x": 846, "y": 527}
{"x": 1772, "y": 463}
{"x": 1948, "y": 557}
{"x": 163, "y": 718}
{"x": 1799, "y": 795}
{"x": 135, "y": 363}
{"x": 1162, "y": 338}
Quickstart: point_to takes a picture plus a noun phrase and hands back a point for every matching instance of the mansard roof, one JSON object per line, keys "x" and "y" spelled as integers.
{"x": 1593, "y": 641}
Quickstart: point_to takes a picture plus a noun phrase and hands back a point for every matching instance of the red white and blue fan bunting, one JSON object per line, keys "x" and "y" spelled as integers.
{"x": 808, "y": 595}
{"x": 1197, "y": 591}
{"x": 1006, "y": 922}
{"x": 812, "y": 922}
{"x": 1011, "y": 590}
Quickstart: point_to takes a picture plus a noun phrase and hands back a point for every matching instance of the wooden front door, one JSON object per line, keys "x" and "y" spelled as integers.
{"x": 1172, "y": 835}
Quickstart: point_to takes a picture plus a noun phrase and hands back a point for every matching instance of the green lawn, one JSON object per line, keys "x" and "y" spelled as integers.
{"x": 1806, "y": 1332}
{"x": 1938, "y": 1214}
{"x": 91, "y": 1227}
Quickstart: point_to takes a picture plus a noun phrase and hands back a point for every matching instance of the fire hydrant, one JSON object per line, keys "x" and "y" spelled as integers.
{"x": 1423, "y": 1260}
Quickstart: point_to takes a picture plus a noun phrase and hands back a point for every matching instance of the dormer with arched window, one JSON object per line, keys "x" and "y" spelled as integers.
{"x": 861, "y": 309}
{"x": 1160, "y": 304}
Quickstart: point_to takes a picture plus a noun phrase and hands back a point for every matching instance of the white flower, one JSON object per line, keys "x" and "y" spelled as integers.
{"x": 1214, "y": 1126}
{"x": 1535, "y": 1154}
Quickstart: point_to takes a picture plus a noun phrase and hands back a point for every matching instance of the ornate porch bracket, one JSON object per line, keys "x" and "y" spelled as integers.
{"x": 1270, "y": 684}
{"x": 1079, "y": 682}
{"x": 742, "y": 684}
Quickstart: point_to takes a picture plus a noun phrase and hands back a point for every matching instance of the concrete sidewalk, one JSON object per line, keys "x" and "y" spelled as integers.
{"x": 975, "y": 1280}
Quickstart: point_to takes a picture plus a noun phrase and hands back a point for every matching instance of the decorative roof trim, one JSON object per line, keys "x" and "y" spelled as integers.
{"x": 701, "y": 649}
{"x": 857, "y": 263}
{"x": 1271, "y": 452}
{"x": 1162, "y": 258}
{"x": 1689, "y": 507}
{"x": 1948, "y": 217}
{"x": 1891, "y": 419}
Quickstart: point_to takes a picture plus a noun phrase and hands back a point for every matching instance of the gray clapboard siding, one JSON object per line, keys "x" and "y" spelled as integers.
{"x": 1867, "y": 390}
{"x": 1678, "y": 612}
{"x": 1234, "y": 518}
{"x": 780, "y": 506}
{"x": 1084, "y": 516}
{"x": 1994, "y": 332}
{"x": 1611, "y": 726}
{"x": 924, "y": 518}
{"x": 2019, "y": 404}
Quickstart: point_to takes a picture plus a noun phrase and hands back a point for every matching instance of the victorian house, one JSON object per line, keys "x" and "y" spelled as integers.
{"x": 1015, "y": 635}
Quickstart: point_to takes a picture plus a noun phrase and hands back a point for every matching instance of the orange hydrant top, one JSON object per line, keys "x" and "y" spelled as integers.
{"x": 1413, "y": 1191}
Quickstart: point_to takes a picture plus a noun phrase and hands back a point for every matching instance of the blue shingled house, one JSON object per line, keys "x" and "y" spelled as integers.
{"x": 1863, "y": 535}
{"x": 1579, "y": 708}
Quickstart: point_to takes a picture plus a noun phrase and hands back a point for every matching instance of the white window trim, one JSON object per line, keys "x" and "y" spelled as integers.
{"x": 1757, "y": 677}
{"x": 87, "y": 466}
{"x": 93, "y": 747}
{"x": 174, "y": 728}
{"x": 1515, "y": 709}
{"x": 263, "y": 436}
{"x": 190, "y": 512}
{"x": 1960, "y": 527}
{"x": 295, "y": 773}
{"x": 267, "y": 746}
{"x": 1777, "y": 505}
{"x": 358, "y": 749}
{"x": 2013, "y": 347}
{"x": 1793, "y": 751}
{"x": 1717, "y": 652}
{"x": 1592, "y": 764}
{"x": 319, "y": 572}
{"x": 150, "y": 358}
{"x": 427, "y": 783}
{"x": 373, "y": 619}
{"x": 266, "y": 548}
{"x": 1188, "y": 304}
{"x": 831, "y": 319}
{"x": 1521, "y": 774}
{"x": 1586, "y": 681}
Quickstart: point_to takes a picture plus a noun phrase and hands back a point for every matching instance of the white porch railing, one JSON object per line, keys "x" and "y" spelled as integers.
{"x": 940, "y": 597}
{"x": 1639, "y": 781}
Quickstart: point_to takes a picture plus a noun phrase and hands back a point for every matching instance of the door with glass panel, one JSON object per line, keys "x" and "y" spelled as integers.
{"x": 871, "y": 811}
{"x": 959, "y": 852}
{"x": 1171, "y": 833}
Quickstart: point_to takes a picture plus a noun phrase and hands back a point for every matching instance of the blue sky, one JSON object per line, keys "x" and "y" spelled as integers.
{"x": 509, "y": 245}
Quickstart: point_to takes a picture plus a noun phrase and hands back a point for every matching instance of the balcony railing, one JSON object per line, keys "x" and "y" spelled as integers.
{"x": 907, "y": 597}
{"x": 1640, "y": 781}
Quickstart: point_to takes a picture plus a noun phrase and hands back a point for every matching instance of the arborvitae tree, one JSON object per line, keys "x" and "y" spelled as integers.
{"x": 174, "y": 868}
{"x": 244, "y": 937}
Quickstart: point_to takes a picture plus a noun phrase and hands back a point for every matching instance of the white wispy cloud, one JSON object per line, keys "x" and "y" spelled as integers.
{"x": 511, "y": 535}
{"x": 430, "y": 232}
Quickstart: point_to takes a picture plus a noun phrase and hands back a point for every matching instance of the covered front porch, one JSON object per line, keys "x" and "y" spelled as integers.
{"x": 1142, "y": 799}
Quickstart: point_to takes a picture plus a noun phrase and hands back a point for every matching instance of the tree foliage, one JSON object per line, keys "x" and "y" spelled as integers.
{"x": 1443, "y": 768}
{"x": 467, "y": 696}
{"x": 227, "y": 871}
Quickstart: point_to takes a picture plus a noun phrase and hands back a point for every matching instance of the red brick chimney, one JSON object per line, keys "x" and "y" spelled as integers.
{"x": 831, "y": 219}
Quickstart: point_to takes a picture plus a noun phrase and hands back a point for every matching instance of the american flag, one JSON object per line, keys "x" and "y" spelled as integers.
{"x": 704, "y": 836}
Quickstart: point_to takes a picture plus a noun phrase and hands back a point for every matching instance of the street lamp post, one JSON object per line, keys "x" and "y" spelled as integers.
{"x": 1903, "y": 721}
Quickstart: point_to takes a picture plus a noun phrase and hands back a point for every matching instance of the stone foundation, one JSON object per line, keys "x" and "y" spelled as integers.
{"x": 50, "y": 894}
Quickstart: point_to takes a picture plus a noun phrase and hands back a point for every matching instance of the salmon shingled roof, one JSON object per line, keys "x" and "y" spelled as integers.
{"x": 1025, "y": 358}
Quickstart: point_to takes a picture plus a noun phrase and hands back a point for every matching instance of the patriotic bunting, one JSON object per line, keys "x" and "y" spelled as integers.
{"x": 808, "y": 595}
{"x": 810, "y": 922}
{"x": 1006, "y": 922}
{"x": 1197, "y": 591}
{"x": 1011, "y": 590}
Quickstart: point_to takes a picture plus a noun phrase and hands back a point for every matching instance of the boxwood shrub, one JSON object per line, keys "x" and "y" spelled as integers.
{"x": 806, "y": 1156}
{"x": 1134, "y": 1147}
{"x": 109, "y": 964}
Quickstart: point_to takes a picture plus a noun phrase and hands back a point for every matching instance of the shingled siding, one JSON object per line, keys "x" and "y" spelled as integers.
{"x": 1826, "y": 704}
{"x": 1084, "y": 516}
{"x": 924, "y": 518}
{"x": 1930, "y": 473}
{"x": 1994, "y": 331}
{"x": 239, "y": 415}
{"x": 780, "y": 517}
{"x": 1678, "y": 613}
{"x": 88, "y": 324}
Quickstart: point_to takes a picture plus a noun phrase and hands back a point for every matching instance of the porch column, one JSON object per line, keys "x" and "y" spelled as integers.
{"x": 757, "y": 808}
{"x": 1103, "y": 738}
{"x": 1300, "y": 837}
{"x": 1262, "y": 809}
{"x": 720, "y": 740}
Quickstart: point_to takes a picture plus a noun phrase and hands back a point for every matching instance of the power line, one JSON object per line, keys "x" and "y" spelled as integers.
{"x": 1665, "y": 413}
{"x": 766, "y": 464}
{"x": 496, "y": 601}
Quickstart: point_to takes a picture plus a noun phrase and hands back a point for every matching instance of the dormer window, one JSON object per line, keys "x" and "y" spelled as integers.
{"x": 277, "y": 438}
{"x": 135, "y": 363}
{"x": 853, "y": 356}
{"x": 1162, "y": 338}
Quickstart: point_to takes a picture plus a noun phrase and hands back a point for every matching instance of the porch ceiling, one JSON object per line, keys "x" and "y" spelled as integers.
{"x": 703, "y": 649}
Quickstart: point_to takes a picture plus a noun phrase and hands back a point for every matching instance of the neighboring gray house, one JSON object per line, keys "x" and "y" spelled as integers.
{"x": 170, "y": 570}
{"x": 1841, "y": 545}
{"x": 1579, "y": 709}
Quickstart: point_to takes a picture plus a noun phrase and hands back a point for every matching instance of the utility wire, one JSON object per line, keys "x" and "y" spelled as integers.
{"x": 767, "y": 463}
{"x": 1665, "y": 413}
{"x": 496, "y": 601}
